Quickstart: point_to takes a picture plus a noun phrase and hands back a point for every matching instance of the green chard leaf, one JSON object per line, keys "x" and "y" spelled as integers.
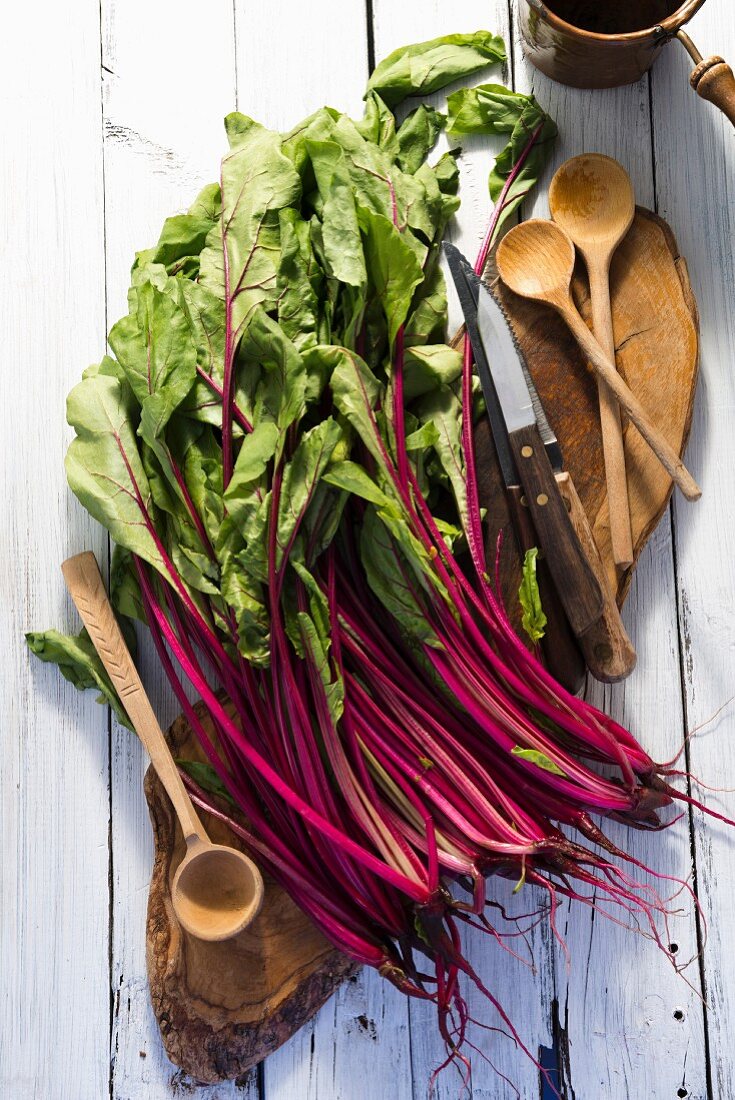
{"x": 443, "y": 410}
{"x": 300, "y": 281}
{"x": 393, "y": 267}
{"x": 154, "y": 347}
{"x": 316, "y": 646}
{"x": 493, "y": 109}
{"x": 104, "y": 468}
{"x": 428, "y": 367}
{"x": 379, "y": 125}
{"x": 79, "y": 663}
{"x": 206, "y": 777}
{"x": 300, "y": 479}
{"x": 340, "y": 229}
{"x": 417, "y": 137}
{"x": 258, "y": 181}
{"x": 394, "y": 581}
{"x": 534, "y": 619}
{"x": 540, "y": 759}
{"x": 429, "y": 66}
{"x": 355, "y": 480}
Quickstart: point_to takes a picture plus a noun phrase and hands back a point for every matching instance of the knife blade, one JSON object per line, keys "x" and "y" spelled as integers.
{"x": 563, "y": 531}
{"x": 561, "y": 652}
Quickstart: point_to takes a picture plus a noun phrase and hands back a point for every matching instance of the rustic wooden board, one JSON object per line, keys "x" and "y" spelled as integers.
{"x": 657, "y": 341}
{"x": 223, "y": 1007}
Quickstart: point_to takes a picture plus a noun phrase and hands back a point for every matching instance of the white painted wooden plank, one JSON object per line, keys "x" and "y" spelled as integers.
{"x": 54, "y": 1010}
{"x": 695, "y": 158}
{"x": 163, "y": 141}
{"x": 617, "y": 1004}
{"x": 525, "y": 998}
{"x": 294, "y": 57}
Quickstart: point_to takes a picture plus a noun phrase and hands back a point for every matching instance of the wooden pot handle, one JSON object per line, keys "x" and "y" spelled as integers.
{"x": 712, "y": 79}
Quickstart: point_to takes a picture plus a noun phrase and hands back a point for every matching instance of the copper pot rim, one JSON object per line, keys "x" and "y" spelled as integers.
{"x": 670, "y": 26}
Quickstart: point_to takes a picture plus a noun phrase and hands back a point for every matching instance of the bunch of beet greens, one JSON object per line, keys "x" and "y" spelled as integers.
{"x": 282, "y": 451}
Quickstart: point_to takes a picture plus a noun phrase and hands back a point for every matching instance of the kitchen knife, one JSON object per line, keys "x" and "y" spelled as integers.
{"x": 561, "y": 653}
{"x": 524, "y": 438}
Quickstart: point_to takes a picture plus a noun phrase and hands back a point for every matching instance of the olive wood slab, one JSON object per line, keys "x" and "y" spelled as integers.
{"x": 656, "y": 328}
{"x": 222, "y": 1008}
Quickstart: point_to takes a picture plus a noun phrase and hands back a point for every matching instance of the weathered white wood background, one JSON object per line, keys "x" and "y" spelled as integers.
{"x": 111, "y": 119}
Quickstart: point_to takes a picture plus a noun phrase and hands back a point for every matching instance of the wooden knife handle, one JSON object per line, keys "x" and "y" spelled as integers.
{"x": 562, "y": 655}
{"x": 614, "y": 654}
{"x": 576, "y": 583}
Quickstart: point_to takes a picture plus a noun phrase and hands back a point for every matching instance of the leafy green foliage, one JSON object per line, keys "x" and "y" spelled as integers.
{"x": 288, "y": 283}
{"x": 493, "y": 109}
{"x": 429, "y": 66}
{"x": 540, "y": 759}
{"x": 78, "y": 663}
{"x": 534, "y": 619}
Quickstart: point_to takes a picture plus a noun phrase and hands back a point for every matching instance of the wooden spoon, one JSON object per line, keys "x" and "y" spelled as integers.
{"x": 536, "y": 260}
{"x": 217, "y": 891}
{"x": 591, "y": 198}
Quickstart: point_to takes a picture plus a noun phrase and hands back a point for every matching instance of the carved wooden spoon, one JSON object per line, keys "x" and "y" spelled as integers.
{"x": 536, "y": 260}
{"x": 217, "y": 891}
{"x": 591, "y": 198}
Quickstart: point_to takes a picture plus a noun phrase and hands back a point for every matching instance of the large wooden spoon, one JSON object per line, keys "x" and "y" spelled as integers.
{"x": 217, "y": 891}
{"x": 536, "y": 260}
{"x": 591, "y": 198}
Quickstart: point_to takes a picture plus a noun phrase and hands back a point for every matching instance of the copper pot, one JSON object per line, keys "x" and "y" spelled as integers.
{"x": 607, "y": 43}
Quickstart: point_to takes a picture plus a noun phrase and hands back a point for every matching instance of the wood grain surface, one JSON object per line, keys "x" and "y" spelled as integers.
{"x": 111, "y": 121}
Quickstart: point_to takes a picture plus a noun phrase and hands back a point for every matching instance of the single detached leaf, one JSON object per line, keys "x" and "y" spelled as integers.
{"x": 428, "y": 66}
{"x": 538, "y": 758}
{"x": 79, "y": 664}
{"x": 534, "y": 619}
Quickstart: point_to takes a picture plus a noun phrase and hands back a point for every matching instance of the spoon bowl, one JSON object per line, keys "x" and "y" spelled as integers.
{"x": 592, "y": 198}
{"x": 217, "y": 891}
{"x": 536, "y": 260}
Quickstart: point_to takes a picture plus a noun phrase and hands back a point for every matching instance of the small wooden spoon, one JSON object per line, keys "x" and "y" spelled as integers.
{"x": 536, "y": 260}
{"x": 591, "y": 198}
{"x": 217, "y": 891}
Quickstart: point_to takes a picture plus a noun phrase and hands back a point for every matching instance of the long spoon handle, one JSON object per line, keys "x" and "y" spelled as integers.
{"x": 612, "y": 431}
{"x": 656, "y": 440}
{"x": 87, "y": 589}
